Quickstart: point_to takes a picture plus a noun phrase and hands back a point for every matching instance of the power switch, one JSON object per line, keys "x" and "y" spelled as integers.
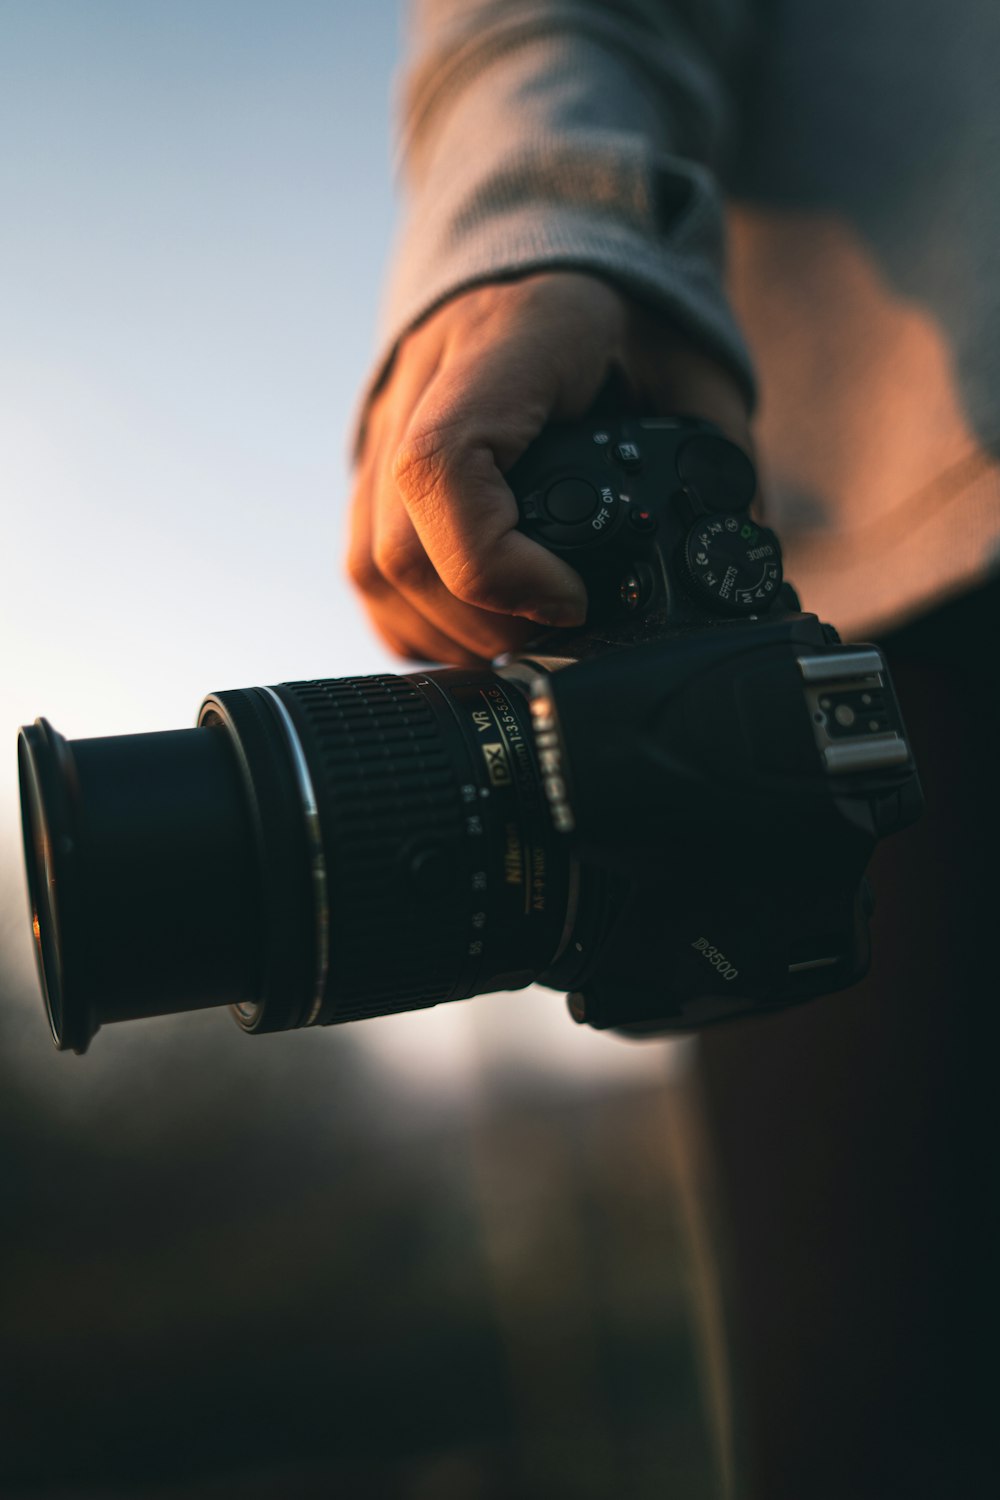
{"x": 570, "y": 501}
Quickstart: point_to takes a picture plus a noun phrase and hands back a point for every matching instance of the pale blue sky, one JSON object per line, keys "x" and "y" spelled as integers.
{"x": 197, "y": 204}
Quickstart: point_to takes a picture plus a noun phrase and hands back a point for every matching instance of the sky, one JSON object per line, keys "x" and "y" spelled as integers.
{"x": 197, "y": 210}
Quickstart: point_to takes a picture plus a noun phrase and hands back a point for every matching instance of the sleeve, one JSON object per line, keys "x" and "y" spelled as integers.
{"x": 538, "y": 134}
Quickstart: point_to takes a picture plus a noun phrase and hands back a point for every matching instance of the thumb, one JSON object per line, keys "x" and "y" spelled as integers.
{"x": 470, "y": 427}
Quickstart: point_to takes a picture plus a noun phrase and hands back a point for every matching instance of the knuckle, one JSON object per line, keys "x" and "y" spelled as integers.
{"x": 470, "y": 579}
{"x": 422, "y": 464}
{"x": 361, "y": 571}
{"x": 403, "y": 563}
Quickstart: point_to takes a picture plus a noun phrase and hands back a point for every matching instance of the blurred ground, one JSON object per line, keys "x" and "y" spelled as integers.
{"x": 264, "y": 1267}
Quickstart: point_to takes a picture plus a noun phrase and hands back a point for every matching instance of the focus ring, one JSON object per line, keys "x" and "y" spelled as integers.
{"x": 387, "y": 776}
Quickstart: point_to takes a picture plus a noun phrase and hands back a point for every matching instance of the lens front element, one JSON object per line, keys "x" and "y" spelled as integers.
{"x": 40, "y": 865}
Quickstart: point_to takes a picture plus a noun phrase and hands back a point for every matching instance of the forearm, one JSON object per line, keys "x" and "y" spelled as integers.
{"x": 560, "y": 133}
{"x": 563, "y": 222}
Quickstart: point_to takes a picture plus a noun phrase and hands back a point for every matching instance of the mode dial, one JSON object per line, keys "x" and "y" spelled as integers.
{"x": 732, "y": 564}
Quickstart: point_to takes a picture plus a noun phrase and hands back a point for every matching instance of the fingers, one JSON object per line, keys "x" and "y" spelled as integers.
{"x": 464, "y": 516}
{"x": 434, "y": 548}
{"x": 407, "y": 604}
{"x": 404, "y": 629}
{"x": 491, "y": 395}
{"x": 404, "y": 565}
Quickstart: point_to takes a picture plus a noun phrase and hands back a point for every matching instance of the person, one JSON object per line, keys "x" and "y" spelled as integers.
{"x": 659, "y": 187}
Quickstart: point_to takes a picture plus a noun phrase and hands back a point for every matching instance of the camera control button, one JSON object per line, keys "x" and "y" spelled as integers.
{"x": 719, "y": 473}
{"x": 629, "y": 457}
{"x": 570, "y": 501}
{"x": 640, "y": 519}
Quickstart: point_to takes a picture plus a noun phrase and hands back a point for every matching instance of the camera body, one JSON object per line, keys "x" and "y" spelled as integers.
{"x": 667, "y": 813}
{"x": 721, "y": 764}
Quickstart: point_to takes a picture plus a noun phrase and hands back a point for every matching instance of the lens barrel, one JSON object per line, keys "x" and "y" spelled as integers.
{"x": 436, "y": 838}
{"x": 309, "y": 854}
{"x": 140, "y": 876}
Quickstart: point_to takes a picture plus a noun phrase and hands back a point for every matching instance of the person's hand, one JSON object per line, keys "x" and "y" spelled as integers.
{"x": 434, "y": 548}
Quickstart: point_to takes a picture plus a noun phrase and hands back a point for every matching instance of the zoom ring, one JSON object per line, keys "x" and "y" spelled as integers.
{"x": 386, "y": 772}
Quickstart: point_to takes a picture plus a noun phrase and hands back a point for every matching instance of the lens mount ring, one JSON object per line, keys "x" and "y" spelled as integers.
{"x": 317, "y": 857}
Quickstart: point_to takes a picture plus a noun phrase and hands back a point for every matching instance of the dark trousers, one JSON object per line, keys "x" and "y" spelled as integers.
{"x": 855, "y": 1141}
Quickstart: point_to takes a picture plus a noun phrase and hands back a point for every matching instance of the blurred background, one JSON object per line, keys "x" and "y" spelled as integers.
{"x": 431, "y": 1256}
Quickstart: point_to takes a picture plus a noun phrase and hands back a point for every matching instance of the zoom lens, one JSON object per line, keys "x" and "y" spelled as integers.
{"x": 309, "y": 854}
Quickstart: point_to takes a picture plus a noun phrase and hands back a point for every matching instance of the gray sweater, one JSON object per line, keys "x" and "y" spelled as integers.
{"x": 815, "y": 182}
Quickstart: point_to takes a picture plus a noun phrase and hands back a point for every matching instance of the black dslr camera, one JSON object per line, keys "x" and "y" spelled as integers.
{"x": 667, "y": 814}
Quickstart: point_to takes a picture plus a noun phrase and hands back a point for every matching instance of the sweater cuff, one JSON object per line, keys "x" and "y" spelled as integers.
{"x": 683, "y": 288}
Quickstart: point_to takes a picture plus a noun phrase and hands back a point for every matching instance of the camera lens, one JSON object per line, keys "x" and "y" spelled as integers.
{"x": 42, "y": 892}
{"x": 140, "y": 875}
{"x": 311, "y": 853}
